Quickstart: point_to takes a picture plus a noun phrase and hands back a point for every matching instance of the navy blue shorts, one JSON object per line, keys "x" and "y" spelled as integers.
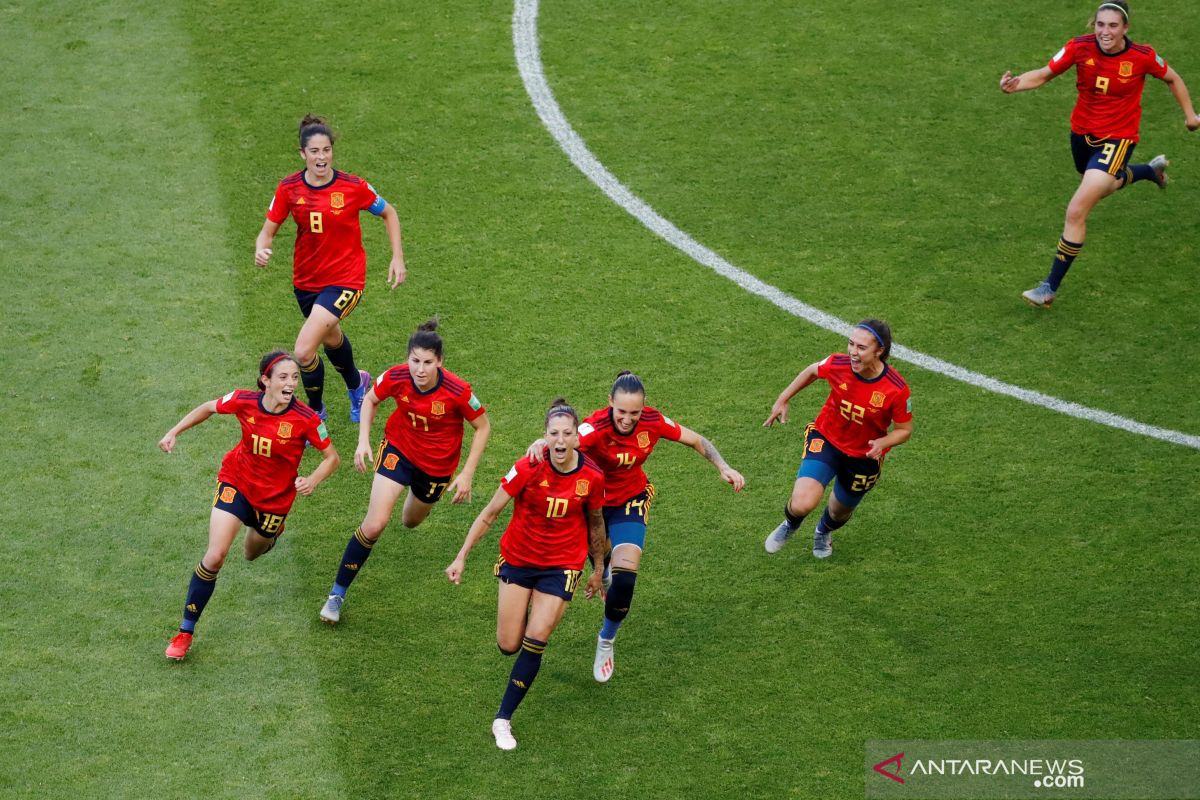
{"x": 823, "y": 462}
{"x": 626, "y": 523}
{"x": 1108, "y": 155}
{"x": 556, "y": 581}
{"x": 228, "y": 498}
{"x": 391, "y": 464}
{"x": 337, "y": 300}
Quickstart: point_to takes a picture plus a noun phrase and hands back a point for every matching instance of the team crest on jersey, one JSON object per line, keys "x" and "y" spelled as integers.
{"x": 816, "y": 445}
{"x": 337, "y": 200}
{"x": 1126, "y": 69}
{"x": 643, "y": 439}
{"x": 228, "y": 494}
{"x": 285, "y": 430}
{"x": 877, "y": 399}
{"x": 581, "y": 487}
{"x": 437, "y": 408}
{"x": 390, "y": 461}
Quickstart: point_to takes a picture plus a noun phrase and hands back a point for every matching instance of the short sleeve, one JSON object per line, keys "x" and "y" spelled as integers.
{"x": 386, "y": 385}
{"x": 902, "y": 406}
{"x": 1157, "y": 66}
{"x": 471, "y": 407}
{"x": 365, "y": 195}
{"x": 228, "y": 403}
{"x": 277, "y": 212}
{"x": 823, "y": 367}
{"x": 668, "y": 428}
{"x": 1063, "y": 60}
{"x": 587, "y": 434}
{"x": 318, "y": 434}
{"x": 517, "y": 477}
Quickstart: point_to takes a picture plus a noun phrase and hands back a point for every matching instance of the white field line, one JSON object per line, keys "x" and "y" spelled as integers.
{"x": 529, "y": 63}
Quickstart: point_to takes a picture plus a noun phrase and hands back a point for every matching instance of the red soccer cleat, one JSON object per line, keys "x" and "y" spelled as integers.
{"x": 179, "y": 645}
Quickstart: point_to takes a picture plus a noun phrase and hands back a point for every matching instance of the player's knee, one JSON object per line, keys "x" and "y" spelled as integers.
{"x": 410, "y": 523}
{"x": 214, "y": 559}
{"x": 373, "y": 529}
{"x": 620, "y": 594}
{"x": 801, "y": 506}
{"x": 508, "y": 647}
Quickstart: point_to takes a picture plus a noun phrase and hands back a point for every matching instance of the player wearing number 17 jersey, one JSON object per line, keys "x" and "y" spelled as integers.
{"x": 1110, "y": 73}
{"x": 259, "y": 478}
{"x": 421, "y": 449}
{"x": 329, "y": 263}
{"x": 867, "y": 413}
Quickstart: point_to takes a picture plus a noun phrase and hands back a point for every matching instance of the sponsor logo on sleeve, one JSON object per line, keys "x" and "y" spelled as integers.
{"x": 1159, "y": 60}
{"x": 512, "y": 473}
{"x": 474, "y": 402}
{"x": 585, "y": 429}
{"x": 908, "y": 405}
{"x": 322, "y": 431}
{"x": 228, "y": 397}
{"x": 1059, "y": 54}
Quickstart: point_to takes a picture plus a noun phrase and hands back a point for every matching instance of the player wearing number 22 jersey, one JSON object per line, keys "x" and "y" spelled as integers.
{"x": 867, "y": 413}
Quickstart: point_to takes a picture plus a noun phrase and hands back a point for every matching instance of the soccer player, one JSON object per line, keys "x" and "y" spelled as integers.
{"x": 848, "y": 440}
{"x": 620, "y": 437}
{"x": 421, "y": 448}
{"x": 1110, "y": 74}
{"x": 556, "y": 522}
{"x": 259, "y": 478}
{"x": 329, "y": 264}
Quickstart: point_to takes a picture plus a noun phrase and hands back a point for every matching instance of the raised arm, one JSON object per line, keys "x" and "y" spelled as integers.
{"x": 1180, "y": 90}
{"x": 478, "y": 528}
{"x": 191, "y": 419}
{"x": 1010, "y": 83}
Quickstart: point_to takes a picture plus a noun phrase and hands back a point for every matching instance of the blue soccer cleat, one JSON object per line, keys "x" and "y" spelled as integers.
{"x": 357, "y": 395}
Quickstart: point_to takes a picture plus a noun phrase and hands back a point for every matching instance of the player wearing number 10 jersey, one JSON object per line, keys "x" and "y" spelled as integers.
{"x": 1110, "y": 73}
{"x": 847, "y": 442}
{"x": 329, "y": 263}
{"x": 421, "y": 448}
{"x": 259, "y": 478}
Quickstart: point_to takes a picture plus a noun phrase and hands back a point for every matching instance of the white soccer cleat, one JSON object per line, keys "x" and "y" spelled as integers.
{"x": 331, "y": 612}
{"x": 1159, "y": 164}
{"x": 822, "y": 546}
{"x": 502, "y": 730}
{"x": 778, "y": 538}
{"x": 1040, "y": 296}
{"x": 602, "y": 667}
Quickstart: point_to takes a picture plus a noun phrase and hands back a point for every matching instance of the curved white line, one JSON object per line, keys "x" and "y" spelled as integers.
{"x": 529, "y": 63}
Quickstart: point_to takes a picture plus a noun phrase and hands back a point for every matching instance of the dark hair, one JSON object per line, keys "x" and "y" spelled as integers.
{"x": 560, "y": 407}
{"x": 1120, "y": 4}
{"x": 267, "y": 364}
{"x": 627, "y": 382}
{"x": 882, "y": 333}
{"x": 311, "y": 126}
{"x": 426, "y": 338}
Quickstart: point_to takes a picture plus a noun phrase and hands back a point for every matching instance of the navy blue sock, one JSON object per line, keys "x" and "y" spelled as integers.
{"x": 617, "y": 601}
{"x": 342, "y": 358}
{"x": 524, "y": 670}
{"x": 357, "y": 551}
{"x": 828, "y": 524}
{"x": 200, "y": 591}
{"x": 793, "y": 521}
{"x": 1064, "y": 256}
{"x": 312, "y": 375}
{"x": 1139, "y": 172}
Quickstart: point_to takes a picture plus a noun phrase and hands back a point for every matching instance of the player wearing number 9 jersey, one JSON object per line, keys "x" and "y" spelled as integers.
{"x": 259, "y": 478}
{"x": 1110, "y": 73}
{"x": 329, "y": 263}
{"x": 421, "y": 449}
{"x": 556, "y": 522}
{"x": 867, "y": 413}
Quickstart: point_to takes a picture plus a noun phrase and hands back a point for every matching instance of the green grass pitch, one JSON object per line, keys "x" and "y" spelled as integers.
{"x": 1017, "y": 574}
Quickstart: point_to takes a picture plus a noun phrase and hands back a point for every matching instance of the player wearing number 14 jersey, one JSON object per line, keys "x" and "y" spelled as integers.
{"x": 867, "y": 413}
{"x": 329, "y": 263}
{"x": 259, "y": 478}
{"x": 1110, "y": 73}
{"x": 421, "y": 448}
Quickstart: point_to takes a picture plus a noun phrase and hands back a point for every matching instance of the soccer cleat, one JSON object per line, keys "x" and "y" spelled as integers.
{"x": 179, "y": 645}
{"x": 357, "y": 395}
{"x": 331, "y": 612}
{"x": 778, "y": 538}
{"x": 1159, "y": 164}
{"x": 502, "y": 730}
{"x": 822, "y": 547}
{"x": 602, "y": 667}
{"x": 1041, "y": 295}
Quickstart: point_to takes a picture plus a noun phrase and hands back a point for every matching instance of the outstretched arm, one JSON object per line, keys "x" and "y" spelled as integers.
{"x": 1010, "y": 83}
{"x": 706, "y": 448}
{"x": 192, "y": 418}
{"x": 1180, "y": 90}
{"x": 478, "y": 528}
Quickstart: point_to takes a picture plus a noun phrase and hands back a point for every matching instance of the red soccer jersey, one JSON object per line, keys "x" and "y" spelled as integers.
{"x": 621, "y": 456}
{"x": 549, "y": 525}
{"x": 1109, "y": 86}
{"x": 858, "y": 410}
{"x": 264, "y": 465}
{"x": 329, "y": 249}
{"x": 427, "y": 427}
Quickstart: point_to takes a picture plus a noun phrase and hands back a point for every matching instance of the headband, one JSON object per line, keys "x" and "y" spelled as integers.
{"x": 1114, "y": 7}
{"x": 871, "y": 330}
{"x": 267, "y": 370}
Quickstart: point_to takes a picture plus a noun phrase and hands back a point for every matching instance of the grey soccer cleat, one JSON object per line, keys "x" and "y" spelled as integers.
{"x": 822, "y": 547}
{"x": 1041, "y": 295}
{"x": 1159, "y": 164}
{"x": 331, "y": 612}
{"x": 778, "y": 538}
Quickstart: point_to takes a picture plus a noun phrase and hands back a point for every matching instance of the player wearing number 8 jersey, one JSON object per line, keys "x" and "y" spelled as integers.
{"x": 329, "y": 263}
{"x": 259, "y": 478}
{"x": 421, "y": 448}
{"x": 868, "y": 412}
{"x": 1110, "y": 74}
{"x": 556, "y": 522}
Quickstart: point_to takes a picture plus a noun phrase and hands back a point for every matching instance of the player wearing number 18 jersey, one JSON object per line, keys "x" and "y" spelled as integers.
{"x": 1110, "y": 73}
{"x": 556, "y": 522}
{"x": 421, "y": 448}
{"x": 329, "y": 263}
{"x": 867, "y": 413}
{"x": 259, "y": 478}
